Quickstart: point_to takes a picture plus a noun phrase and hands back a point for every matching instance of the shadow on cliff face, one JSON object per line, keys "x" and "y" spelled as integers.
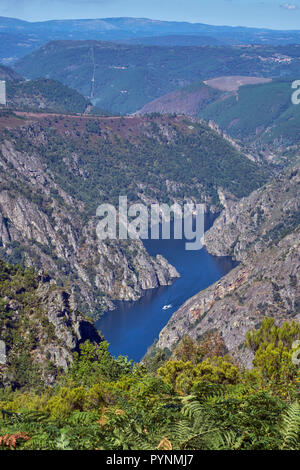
{"x": 88, "y": 332}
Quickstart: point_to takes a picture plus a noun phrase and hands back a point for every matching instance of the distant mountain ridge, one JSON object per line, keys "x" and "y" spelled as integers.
{"x": 18, "y": 37}
{"x": 135, "y": 26}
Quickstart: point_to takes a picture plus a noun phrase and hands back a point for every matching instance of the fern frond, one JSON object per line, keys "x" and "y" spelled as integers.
{"x": 11, "y": 440}
{"x": 83, "y": 417}
{"x": 291, "y": 427}
{"x": 35, "y": 417}
{"x": 63, "y": 443}
{"x": 228, "y": 440}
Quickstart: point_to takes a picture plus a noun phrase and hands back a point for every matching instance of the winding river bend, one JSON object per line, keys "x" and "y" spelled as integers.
{"x": 133, "y": 326}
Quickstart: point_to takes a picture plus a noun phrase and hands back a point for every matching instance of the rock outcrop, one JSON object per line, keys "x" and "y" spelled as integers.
{"x": 40, "y": 326}
{"x": 42, "y": 225}
{"x": 250, "y": 225}
{"x": 262, "y": 231}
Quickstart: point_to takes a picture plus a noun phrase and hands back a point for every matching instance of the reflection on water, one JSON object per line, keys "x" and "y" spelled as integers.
{"x": 133, "y": 326}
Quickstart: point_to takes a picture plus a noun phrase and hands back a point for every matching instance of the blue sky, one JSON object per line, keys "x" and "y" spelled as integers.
{"x": 277, "y": 14}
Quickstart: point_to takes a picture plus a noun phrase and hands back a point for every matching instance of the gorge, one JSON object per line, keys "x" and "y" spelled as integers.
{"x": 133, "y": 326}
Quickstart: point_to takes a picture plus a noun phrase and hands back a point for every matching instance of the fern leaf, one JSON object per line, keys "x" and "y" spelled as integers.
{"x": 291, "y": 427}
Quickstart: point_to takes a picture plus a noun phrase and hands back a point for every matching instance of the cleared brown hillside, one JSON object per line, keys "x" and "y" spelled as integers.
{"x": 233, "y": 83}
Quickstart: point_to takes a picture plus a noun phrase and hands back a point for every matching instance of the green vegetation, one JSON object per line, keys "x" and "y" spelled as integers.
{"x": 39, "y": 327}
{"x": 258, "y": 109}
{"x": 45, "y": 95}
{"x": 23, "y": 325}
{"x": 129, "y": 76}
{"x": 194, "y": 397}
{"x": 96, "y": 160}
{"x": 207, "y": 402}
{"x": 198, "y": 86}
{"x": 119, "y": 156}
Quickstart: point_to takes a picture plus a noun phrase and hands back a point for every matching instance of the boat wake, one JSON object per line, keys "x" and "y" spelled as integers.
{"x": 166, "y": 307}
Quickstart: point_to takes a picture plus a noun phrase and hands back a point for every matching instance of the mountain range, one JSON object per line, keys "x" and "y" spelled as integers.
{"x": 18, "y": 37}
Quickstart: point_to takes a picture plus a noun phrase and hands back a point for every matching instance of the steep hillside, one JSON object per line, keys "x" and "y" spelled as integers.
{"x": 8, "y": 74}
{"x": 195, "y": 99}
{"x": 261, "y": 116}
{"x": 269, "y": 114}
{"x": 258, "y": 221}
{"x": 15, "y": 44}
{"x": 160, "y": 150}
{"x": 56, "y": 170}
{"x": 42, "y": 224}
{"x": 46, "y": 95}
{"x": 40, "y": 327}
{"x": 123, "y": 78}
{"x": 188, "y": 100}
{"x": 267, "y": 281}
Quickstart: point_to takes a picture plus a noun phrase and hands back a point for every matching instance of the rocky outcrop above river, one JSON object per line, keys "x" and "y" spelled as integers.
{"x": 41, "y": 225}
{"x": 253, "y": 223}
{"x": 262, "y": 231}
{"x": 40, "y": 326}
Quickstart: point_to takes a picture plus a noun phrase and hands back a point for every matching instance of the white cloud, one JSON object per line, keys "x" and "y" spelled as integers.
{"x": 289, "y": 6}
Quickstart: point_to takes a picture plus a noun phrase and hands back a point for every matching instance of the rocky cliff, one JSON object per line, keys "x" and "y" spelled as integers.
{"x": 263, "y": 232}
{"x": 42, "y": 225}
{"x": 57, "y": 169}
{"x": 248, "y": 226}
{"x": 40, "y": 326}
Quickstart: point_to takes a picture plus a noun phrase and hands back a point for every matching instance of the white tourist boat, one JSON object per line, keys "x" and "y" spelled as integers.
{"x": 166, "y": 307}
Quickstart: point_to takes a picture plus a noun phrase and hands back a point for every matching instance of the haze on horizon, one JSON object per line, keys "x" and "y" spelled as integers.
{"x": 272, "y": 14}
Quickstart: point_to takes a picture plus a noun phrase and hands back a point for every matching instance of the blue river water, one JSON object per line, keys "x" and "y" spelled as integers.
{"x": 133, "y": 326}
